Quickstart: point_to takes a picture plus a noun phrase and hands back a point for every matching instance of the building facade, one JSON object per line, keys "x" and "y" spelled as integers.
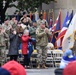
{"x": 64, "y": 5}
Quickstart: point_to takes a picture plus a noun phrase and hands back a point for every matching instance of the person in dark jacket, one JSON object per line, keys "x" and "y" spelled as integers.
{"x": 14, "y": 44}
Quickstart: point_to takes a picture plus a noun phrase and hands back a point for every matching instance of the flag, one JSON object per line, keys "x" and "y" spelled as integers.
{"x": 44, "y": 15}
{"x": 56, "y": 28}
{"x": 51, "y": 19}
{"x": 70, "y": 18}
{"x": 41, "y": 12}
{"x": 64, "y": 29}
{"x": 50, "y": 22}
{"x": 62, "y": 32}
{"x": 36, "y": 15}
{"x": 31, "y": 15}
{"x": 68, "y": 40}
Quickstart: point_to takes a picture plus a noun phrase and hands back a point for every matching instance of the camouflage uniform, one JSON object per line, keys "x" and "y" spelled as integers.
{"x": 39, "y": 21}
{"x": 2, "y": 44}
{"x": 6, "y": 28}
{"x": 11, "y": 23}
{"x": 28, "y": 19}
{"x": 27, "y": 24}
{"x": 42, "y": 41}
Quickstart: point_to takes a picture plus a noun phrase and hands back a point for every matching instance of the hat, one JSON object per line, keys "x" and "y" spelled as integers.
{"x": 50, "y": 45}
{"x": 68, "y": 53}
{"x": 14, "y": 68}
{"x": 70, "y": 69}
{"x": 4, "y": 72}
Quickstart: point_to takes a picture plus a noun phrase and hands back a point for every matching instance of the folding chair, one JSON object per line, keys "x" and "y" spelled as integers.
{"x": 49, "y": 59}
{"x": 33, "y": 59}
{"x": 57, "y": 56}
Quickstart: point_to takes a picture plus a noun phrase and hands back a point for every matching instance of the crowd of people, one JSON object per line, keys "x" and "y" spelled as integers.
{"x": 14, "y": 34}
{"x": 23, "y": 33}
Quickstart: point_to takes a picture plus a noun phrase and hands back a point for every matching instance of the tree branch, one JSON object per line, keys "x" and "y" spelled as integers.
{"x": 12, "y": 5}
{"x": 6, "y": 5}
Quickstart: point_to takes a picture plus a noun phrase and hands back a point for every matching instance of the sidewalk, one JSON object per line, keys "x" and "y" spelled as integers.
{"x": 49, "y": 71}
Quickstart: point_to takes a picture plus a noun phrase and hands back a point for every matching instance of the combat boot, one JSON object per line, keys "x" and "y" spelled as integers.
{"x": 43, "y": 66}
{"x": 38, "y": 67}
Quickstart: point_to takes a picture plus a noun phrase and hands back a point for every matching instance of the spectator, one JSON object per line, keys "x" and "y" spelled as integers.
{"x": 70, "y": 69}
{"x": 25, "y": 40}
{"x": 12, "y": 68}
{"x": 67, "y": 57}
{"x": 14, "y": 44}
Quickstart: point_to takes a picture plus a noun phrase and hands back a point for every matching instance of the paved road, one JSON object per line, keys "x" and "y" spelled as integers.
{"x": 49, "y": 71}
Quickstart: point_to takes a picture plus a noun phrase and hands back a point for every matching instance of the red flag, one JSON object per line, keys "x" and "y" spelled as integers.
{"x": 31, "y": 15}
{"x": 56, "y": 29}
{"x": 44, "y": 15}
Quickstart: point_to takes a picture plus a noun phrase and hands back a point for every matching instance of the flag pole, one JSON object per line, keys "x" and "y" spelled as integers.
{"x": 52, "y": 11}
{"x": 41, "y": 12}
{"x": 60, "y": 18}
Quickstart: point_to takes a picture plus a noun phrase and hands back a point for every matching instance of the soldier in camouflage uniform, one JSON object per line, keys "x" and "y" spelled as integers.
{"x": 26, "y": 20}
{"x": 42, "y": 34}
{"x": 6, "y": 27}
{"x": 41, "y": 19}
{"x": 13, "y": 22}
{"x": 3, "y": 35}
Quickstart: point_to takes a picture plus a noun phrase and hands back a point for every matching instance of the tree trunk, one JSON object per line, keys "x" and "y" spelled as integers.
{"x": 40, "y": 8}
{"x": 3, "y": 10}
{"x": 2, "y": 14}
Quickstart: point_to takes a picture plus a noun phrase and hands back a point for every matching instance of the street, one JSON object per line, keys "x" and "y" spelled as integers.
{"x": 49, "y": 71}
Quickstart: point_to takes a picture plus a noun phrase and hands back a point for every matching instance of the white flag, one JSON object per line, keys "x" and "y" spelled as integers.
{"x": 68, "y": 40}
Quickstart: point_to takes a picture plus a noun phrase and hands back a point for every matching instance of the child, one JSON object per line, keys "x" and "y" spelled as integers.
{"x": 70, "y": 69}
{"x": 12, "y": 68}
{"x": 67, "y": 57}
{"x": 25, "y": 40}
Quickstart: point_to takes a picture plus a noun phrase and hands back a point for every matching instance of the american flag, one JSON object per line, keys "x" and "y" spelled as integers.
{"x": 64, "y": 29}
{"x": 56, "y": 28}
